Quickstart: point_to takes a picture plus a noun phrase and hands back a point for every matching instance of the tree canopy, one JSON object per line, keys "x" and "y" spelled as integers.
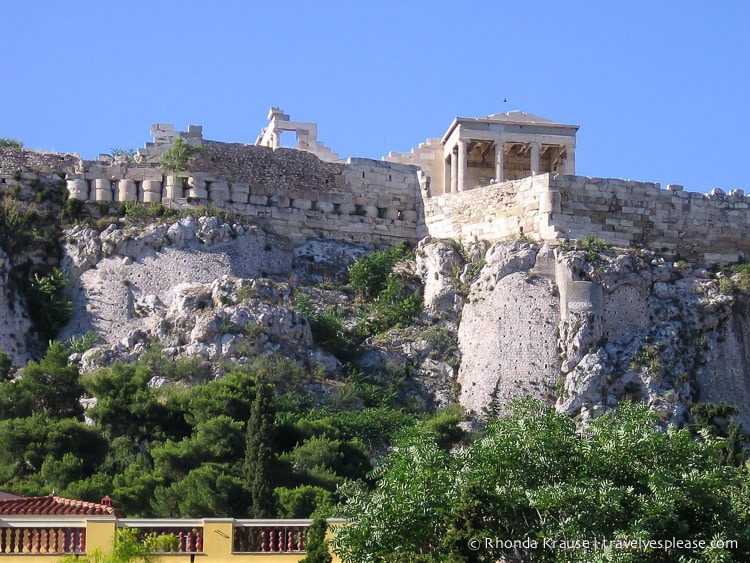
{"x": 532, "y": 485}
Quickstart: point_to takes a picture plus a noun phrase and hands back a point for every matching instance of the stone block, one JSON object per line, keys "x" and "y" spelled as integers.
{"x": 126, "y": 190}
{"x": 78, "y": 189}
{"x": 151, "y": 197}
{"x": 279, "y": 200}
{"x": 196, "y": 193}
{"x": 301, "y": 203}
{"x": 324, "y": 206}
{"x": 151, "y": 186}
{"x": 258, "y": 199}
{"x": 174, "y": 191}
{"x": 196, "y": 182}
{"x": 102, "y": 190}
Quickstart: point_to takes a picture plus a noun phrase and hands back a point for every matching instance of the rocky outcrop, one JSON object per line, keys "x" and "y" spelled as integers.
{"x": 582, "y": 328}
{"x": 15, "y": 325}
{"x": 507, "y": 332}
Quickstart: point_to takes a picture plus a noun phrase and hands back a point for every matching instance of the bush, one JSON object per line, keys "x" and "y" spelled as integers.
{"x": 177, "y": 157}
{"x": 8, "y": 143}
{"x": 47, "y": 304}
{"x": 369, "y": 274}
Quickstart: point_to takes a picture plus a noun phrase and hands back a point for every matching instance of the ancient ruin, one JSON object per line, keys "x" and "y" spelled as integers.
{"x": 488, "y": 178}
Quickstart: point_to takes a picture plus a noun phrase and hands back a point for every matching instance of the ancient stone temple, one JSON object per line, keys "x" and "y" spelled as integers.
{"x": 479, "y": 151}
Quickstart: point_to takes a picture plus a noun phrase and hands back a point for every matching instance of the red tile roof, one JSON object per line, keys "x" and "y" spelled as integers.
{"x": 54, "y": 505}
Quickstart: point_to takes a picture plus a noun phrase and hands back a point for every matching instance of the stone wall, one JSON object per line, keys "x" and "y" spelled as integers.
{"x": 707, "y": 229}
{"x": 491, "y": 213}
{"x": 14, "y": 160}
{"x": 287, "y": 191}
{"x": 703, "y": 228}
{"x": 294, "y": 193}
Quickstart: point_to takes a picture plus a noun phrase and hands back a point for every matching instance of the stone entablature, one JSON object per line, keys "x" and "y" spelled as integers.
{"x": 306, "y": 133}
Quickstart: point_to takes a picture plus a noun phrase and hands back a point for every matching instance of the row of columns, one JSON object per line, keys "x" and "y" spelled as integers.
{"x": 458, "y": 162}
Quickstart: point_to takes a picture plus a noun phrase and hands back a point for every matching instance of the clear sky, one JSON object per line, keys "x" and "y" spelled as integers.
{"x": 659, "y": 88}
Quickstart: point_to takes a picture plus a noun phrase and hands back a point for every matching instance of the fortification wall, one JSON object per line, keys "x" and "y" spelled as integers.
{"x": 713, "y": 228}
{"x": 491, "y": 213}
{"x": 709, "y": 229}
{"x": 14, "y": 160}
{"x": 293, "y": 193}
{"x": 287, "y": 191}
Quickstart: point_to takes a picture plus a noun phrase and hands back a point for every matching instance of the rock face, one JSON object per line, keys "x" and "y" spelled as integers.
{"x": 588, "y": 329}
{"x": 507, "y": 332}
{"x": 581, "y": 328}
{"x": 126, "y": 279}
{"x": 15, "y": 325}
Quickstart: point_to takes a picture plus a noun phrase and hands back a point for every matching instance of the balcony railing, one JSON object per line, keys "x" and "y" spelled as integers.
{"x": 270, "y": 536}
{"x": 210, "y": 539}
{"x": 59, "y": 538}
{"x": 187, "y": 534}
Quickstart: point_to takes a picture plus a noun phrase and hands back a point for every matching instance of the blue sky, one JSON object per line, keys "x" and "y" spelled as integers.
{"x": 659, "y": 88}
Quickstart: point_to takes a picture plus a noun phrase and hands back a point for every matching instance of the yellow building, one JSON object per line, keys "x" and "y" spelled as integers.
{"x": 50, "y": 528}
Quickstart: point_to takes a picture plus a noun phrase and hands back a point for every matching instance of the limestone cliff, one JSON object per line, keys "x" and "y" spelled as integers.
{"x": 587, "y": 328}
{"x": 582, "y": 327}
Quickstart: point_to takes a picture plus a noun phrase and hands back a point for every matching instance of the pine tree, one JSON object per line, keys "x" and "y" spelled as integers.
{"x": 259, "y": 452}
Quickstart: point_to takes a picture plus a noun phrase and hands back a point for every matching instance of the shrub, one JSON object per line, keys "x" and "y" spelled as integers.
{"x": 177, "y": 157}
{"x": 83, "y": 343}
{"x": 369, "y": 274}
{"x": 8, "y": 143}
{"x": 47, "y": 304}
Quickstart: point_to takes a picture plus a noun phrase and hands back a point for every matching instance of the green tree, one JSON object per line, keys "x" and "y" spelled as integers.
{"x": 127, "y": 406}
{"x": 47, "y": 303}
{"x": 259, "y": 452}
{"x": 533, "y": 475}
{"x": 177, "y": 157}
{"x": 6, "y": 365}
{"x": 50, "y": 386}
{"x": 209, "y": 490}
{"x": 317, "y": 547}
{"x": 51, "y": 452}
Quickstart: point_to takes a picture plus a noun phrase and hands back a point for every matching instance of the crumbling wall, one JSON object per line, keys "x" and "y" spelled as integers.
{"x": 14, "y": 160}
{"x": 287, "y": 191}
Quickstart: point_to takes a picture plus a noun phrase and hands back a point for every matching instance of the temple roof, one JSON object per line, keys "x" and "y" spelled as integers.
{"x": 510, "y": 118}
{"x": 54, "y": 505}
{"x": 516, "y": 116}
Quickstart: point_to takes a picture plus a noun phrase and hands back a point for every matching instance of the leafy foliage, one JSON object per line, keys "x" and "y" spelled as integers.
{"x": 127, "y": 547}
{"x": 47, "y": 303}
{"x": 532, "y": 475}
{"x": 9, "y": 143}
{"x": 177, "y": 157}
{"x": 317, "y": 547}
{"x": 369, "y": 274}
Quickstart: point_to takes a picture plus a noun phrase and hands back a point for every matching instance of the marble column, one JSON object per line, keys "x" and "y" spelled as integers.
{"x": 499, "y": 161}
{"x": 454, "y": 173}
{"x": 570, "y": 160}
{"x": 461, "y": 165}
{"x": 534, "y": 146}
